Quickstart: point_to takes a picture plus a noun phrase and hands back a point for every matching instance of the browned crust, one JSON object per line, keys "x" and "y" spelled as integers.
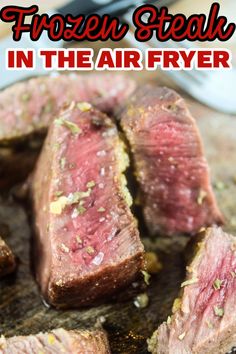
{"x": 102, "y": 340}
{"x": 106, "y": 282}
{"x": 101, "y": 337}
{"x": 7, "y": 259}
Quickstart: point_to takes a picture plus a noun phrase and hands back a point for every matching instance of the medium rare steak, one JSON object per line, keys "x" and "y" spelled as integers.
{"x": 88, "y": 244}
{"x": 27, "y": 108}
{"x": 30, "y": 106}
{"x": 170, "y": 166}
{"x": 57, "y": 341}
{"x": 203, "y": 320}
{"x": 7, "y": 259}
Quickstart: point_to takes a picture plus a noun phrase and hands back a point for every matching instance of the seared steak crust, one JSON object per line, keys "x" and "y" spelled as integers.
{"x": 7, "y": 259}
{"x": 58, "y": 341}
{"x": 87, "y": 239}
{"x": 171, "y": 169}
{"x": 203, "y": 320}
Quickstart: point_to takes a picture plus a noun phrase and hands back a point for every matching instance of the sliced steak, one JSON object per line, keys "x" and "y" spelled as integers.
{"x": 171, "y": 169}
{"x": 30, "y": 106}
{"x": 57, "y": 341}
{"x": 7, "y": 259}
{"x": 204, "y": 317}
{"x": 88, "y": 244}
{"x": 27, "y": 108}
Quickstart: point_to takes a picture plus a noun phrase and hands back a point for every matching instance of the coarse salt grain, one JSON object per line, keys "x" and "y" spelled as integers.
{"x": 101, "y": 153}
{"x": 98, "y": 259}
{"x": 75, "y": 214}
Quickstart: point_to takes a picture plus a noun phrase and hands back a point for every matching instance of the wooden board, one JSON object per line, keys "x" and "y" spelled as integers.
{"x": 21, "y": 308}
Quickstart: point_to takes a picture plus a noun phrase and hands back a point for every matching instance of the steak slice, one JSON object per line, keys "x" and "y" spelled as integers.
{"x": 88, "y": 244}
{"x": 170, "y": 166}
{"x": 28, "y": 107}
{"x": 57, "y": 341}
{"x": 7, "y": 259}
{"x": 204, "y": 317}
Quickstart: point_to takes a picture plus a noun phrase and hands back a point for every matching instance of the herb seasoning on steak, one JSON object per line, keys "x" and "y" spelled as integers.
{"x": 30, "y": 106}
{"x": 57, "y": 341}
{"x": 27, "y": 108}
{"x": 171, "y": 169}
{"x": 203, "y": 320}
{"x": 7, "y": 259}
{"x": 87, "y": 239}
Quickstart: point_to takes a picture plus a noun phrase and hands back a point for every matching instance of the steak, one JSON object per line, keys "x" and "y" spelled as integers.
{"x": 170, "y": 166}
{"x": 87, "y": 240}
{"x": 7, "y": 259}
{"x": 203, "y": 319}
{"x": 28, "y": 107}
{"x": 57, "y": 341}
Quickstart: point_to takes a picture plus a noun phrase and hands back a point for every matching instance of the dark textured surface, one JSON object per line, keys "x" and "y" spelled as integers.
{"x": 21, "y": 308}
